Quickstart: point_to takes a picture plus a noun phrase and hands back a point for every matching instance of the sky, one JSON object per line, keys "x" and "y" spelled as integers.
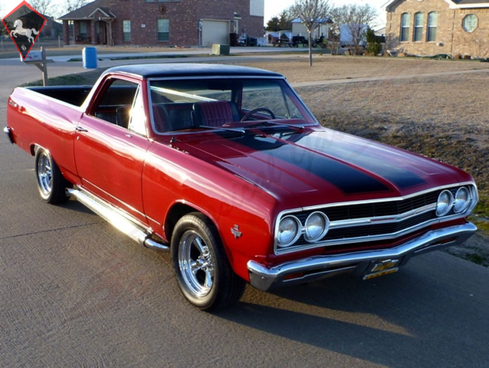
{"x": 272, "y": 7}
{"x": 275, "y": 7}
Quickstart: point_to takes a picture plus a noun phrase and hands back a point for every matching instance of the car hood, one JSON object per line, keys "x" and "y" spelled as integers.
{"x": 319, "y": 166}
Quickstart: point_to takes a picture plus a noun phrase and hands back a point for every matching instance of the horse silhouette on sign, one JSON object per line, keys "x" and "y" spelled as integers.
{"x": 19, "y": 29}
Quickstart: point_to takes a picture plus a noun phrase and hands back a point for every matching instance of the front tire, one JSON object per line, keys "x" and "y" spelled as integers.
{"x": 202, "y": 269}
{"x": 50, "y": 182}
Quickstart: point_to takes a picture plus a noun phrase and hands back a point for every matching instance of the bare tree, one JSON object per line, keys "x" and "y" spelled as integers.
{"x": 42, "y": 6}
{"x": 477, "y": 43}
{"x": 311, "y": 13}
{"x": 334, "y": 30}
{"x": 355, "y": 18}
{"x": 71, "y": 5}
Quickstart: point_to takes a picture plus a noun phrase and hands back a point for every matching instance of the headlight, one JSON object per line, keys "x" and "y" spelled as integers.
{"x": 474, "y": 198}
{"x": 462, "y": 200}
{"x": 317, "y": 225}
{"x": 288, "y": 231}
{"x": 444, "y": 203}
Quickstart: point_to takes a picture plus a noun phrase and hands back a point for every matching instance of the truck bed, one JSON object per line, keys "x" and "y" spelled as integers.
{"x": 74, "y": 95}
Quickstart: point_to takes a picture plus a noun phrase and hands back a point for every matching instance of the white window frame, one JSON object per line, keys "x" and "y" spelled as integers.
{"x": 470, "y": 23}
{"x": 126, "y": 35}
{"x": 404, "y": 32}
{"x": 418, "y": 27}
{"x": 432, "y": 26}
{"x": 165, "y": 29}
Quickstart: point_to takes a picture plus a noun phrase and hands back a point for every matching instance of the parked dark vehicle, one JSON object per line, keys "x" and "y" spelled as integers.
{"x": 299, "y": 40}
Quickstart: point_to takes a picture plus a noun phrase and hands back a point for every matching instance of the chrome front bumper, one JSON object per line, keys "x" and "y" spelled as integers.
{"x": 317, "y": 267}
{"x": 7, "y": 131}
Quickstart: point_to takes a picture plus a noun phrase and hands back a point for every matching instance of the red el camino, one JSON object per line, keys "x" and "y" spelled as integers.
{"x": 226, "y": 168}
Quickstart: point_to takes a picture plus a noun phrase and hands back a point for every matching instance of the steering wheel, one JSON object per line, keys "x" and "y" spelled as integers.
{"x": 250, "y": 113}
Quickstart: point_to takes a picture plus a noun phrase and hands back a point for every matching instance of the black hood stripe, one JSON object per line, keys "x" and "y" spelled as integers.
{"x": 344, "y": 177}
{"x": 361, "y": 155}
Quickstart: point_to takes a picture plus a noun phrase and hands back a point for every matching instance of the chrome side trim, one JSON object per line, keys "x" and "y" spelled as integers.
{"x": 149, "y": 243}
{"x": 317, "y": 267}
{"x": 214, "y": 76}
{"x": 116, "y": 218}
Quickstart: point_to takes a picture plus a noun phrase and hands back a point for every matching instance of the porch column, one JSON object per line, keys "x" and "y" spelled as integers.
{"x": 76, "y": 32}
{"x": 93, "y": 32}
{"x": 66, "y": 32}
{"x": 110, "y": 39}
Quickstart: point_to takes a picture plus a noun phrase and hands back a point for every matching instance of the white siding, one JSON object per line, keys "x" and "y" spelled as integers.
{"x": 257, "y": 7}
{"x": 215, "y": 31}
{"x": 298, "y": 29}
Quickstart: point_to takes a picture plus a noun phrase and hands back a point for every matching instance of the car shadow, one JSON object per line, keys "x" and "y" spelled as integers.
{"x": 73, "y": 205}
{"x": 405, "y": 319}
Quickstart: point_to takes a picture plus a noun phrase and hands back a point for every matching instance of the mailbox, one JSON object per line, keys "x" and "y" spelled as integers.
{"x": 32, "y": 56}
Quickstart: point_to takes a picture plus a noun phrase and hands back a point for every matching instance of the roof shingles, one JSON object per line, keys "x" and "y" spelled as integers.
{"x": 87, "y": 11}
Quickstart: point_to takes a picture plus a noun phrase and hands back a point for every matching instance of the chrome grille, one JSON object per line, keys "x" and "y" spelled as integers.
{"x": 364, "y": 222}
{"x": 371, "y": 210}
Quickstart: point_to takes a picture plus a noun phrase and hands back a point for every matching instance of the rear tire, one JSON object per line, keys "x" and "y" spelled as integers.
{"x": 50, "y": 182}
{"x": 202, "y": 269}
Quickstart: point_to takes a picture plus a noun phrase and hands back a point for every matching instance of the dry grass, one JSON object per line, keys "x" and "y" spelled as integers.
{"x": 327, "y": 67}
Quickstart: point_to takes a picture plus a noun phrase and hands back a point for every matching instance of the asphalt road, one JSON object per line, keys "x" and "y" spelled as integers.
{"x": 74, "y": 292}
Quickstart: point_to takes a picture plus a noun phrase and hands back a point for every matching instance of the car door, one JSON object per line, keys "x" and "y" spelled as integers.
{"x": 111, "y": 144}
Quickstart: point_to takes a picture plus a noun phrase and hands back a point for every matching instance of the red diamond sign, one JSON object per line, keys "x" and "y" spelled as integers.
{"x": 24, "y": 24}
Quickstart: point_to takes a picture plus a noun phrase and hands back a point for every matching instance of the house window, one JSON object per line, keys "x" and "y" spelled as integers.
{"x": 405, "y": 27}
{"x": 83, "y": 31}
{"x": 418, "y": 27}
{"x": 126, "y": 30}
{"x": 469, "y": 23}
{"x": 432, "y": 24}
{"x": 163, "y": 30}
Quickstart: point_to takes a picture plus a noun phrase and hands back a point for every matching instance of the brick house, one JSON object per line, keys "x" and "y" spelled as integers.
{"x": 51, "y": 28}
{"x": 163, "y": 22}
{"x": 430, "y": 27}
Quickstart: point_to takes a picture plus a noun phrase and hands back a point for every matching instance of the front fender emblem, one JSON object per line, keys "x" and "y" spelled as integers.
{"x": 235, "y": 231}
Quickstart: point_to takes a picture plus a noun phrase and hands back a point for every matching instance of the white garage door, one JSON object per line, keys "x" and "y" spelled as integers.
{"x": 215, "y": 31}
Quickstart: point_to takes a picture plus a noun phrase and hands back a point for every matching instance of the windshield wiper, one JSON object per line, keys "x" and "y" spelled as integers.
{"x": 238, "y": 131}
{"x": 270, "y": 124}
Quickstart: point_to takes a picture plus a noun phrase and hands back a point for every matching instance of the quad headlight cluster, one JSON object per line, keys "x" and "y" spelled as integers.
{"x": 459, "y": 203}
{"x": 290, "y": 229}
{"x": 353, "y": 222}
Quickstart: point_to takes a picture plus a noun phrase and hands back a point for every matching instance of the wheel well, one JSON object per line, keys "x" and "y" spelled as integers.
{"x": 34, "y": 148}
{"x": 176, "y": 213}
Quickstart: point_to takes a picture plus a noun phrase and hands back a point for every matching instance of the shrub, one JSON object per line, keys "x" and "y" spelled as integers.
{"x": 374, "y": 47}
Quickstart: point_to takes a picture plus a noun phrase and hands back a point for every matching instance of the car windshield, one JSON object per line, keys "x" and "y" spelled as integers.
{"x": 197, "y": 104}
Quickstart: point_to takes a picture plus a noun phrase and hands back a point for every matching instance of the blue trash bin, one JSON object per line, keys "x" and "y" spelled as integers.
{"x": 90, "y": 58}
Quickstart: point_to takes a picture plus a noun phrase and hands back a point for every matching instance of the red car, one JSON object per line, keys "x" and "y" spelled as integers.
{"x": 228, "y": 169}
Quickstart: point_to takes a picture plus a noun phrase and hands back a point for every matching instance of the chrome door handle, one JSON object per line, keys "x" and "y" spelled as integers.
{"x": 80, "y": 129}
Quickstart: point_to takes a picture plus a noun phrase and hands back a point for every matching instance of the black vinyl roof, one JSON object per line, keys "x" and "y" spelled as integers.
{"x": 469, "y": 2}
{"x": 190, "y": 70}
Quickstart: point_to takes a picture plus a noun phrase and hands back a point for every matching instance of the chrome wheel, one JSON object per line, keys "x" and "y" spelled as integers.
{"x": 202, "y": 269}
{"x": 44, "y": 174}
{"x": 196, "y": 264}
{"x": 50, "y": 182}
